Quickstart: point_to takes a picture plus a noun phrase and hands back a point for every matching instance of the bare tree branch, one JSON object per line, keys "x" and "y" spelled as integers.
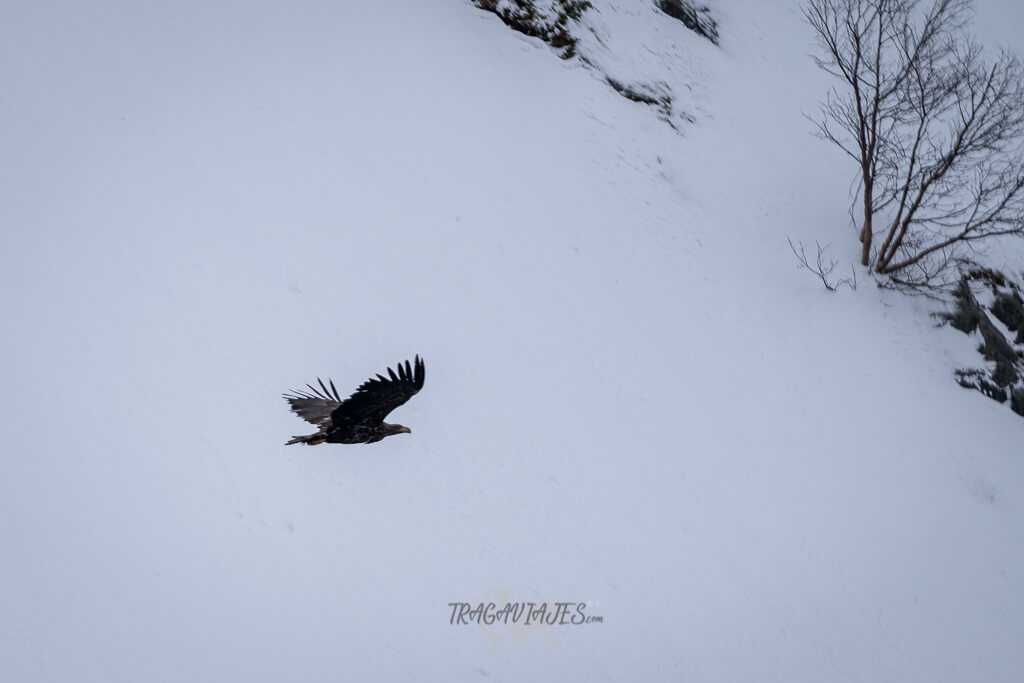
{"x": 820, "y": 268}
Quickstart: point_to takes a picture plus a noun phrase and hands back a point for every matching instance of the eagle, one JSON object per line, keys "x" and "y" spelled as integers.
{"x": 360, "y": 417}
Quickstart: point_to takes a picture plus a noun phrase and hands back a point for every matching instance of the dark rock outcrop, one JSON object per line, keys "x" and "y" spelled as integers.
{"x": 1008, "y": 307}
{"x": 1005, "y": 373}
{"x": 695, "y": 17}
{"x": 550, "y": 22}
{"x": 996, "y": 346}
{"x": 1006, "y": 378}
{"x": 978, "y": 379}
{"x": 965, "y": 316}
{"x": 1017, "y": 401}
{"x": 558, "y": 23}
{"x": 656, "y": 96}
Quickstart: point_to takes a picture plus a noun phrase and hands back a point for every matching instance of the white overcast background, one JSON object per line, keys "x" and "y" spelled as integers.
{"x": 633, "y": 397}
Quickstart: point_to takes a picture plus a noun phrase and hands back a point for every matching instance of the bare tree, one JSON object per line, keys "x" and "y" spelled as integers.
{"x": 935, "y": 131}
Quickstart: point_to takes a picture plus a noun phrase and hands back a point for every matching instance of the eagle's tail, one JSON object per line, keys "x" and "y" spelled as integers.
{"x": 311, "y": 440}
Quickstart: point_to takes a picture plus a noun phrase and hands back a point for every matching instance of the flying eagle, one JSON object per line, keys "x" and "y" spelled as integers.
{"x": 360, "y": 417}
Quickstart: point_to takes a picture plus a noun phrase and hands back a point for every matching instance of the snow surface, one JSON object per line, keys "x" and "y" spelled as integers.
{"x": 634, "y": 399}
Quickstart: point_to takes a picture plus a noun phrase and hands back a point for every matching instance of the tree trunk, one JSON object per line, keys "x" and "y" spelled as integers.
{"x": 867, "y": 231}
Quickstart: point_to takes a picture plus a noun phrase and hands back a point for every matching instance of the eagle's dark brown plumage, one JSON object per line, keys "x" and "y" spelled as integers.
{"x": 360, "y": 417}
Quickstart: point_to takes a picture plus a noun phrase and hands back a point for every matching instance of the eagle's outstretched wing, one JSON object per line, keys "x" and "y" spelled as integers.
{"x": 315, "y": 405}
{"x": 376, "y": 397}
{"x": 372, "y": 401}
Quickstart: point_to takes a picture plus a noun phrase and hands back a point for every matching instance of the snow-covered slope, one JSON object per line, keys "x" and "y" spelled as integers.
{"x": 633, "y": 400}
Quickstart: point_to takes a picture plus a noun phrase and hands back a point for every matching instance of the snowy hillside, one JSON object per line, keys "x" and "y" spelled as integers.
{"x": 633, "y": 398}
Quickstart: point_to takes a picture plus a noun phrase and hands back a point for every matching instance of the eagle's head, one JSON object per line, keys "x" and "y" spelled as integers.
{"x": 390, "y": 429}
